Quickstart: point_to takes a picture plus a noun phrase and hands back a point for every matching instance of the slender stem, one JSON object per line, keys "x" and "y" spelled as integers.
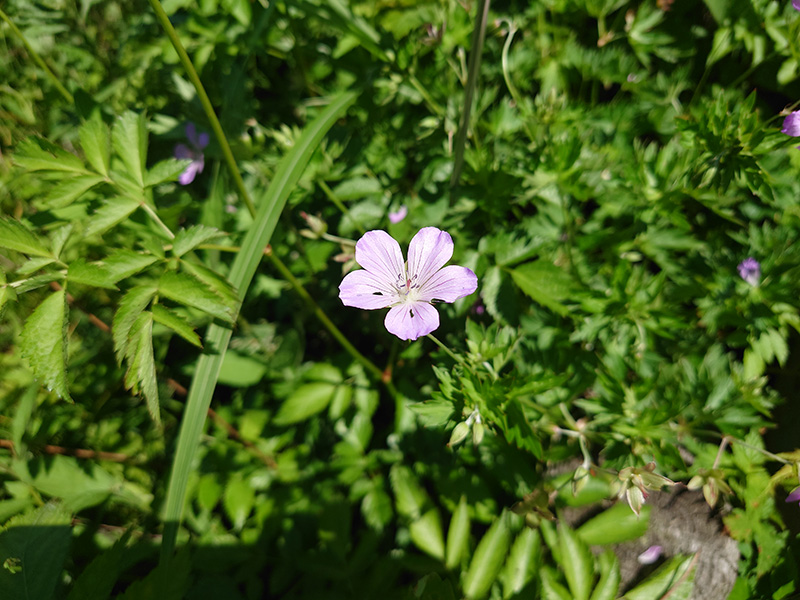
{"x": 38, "y": 59}
{"x": 512, "y": 89}
{"x": 158, "y": 221}
{"x": 766, "y": 453}
{"x": 204, "y": 100}
{"x": 432, "y": 104}
{"x": 320, "y": 314}
{"x": 340, "y": 205}
{"x": 478, "y": 35}
{"x": 449, "y": 352}
{"x": 722, "y": 446}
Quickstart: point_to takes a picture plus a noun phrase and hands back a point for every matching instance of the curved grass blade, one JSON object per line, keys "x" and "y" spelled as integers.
{"x": 244, "y": 266}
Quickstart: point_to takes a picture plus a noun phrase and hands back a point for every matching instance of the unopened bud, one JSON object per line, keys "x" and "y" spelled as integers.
{"x": 316, "y": 226}
{"x": 460, "y": 433}
{"x": 477, "y": 432}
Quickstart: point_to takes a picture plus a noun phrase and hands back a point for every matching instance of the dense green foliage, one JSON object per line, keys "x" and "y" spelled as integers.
{"x": 188, "y": 410}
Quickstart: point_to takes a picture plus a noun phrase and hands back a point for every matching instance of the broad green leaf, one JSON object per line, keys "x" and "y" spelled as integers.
{"x": 551, "y": 588}
{"x": 213, "y": 280}
{"x": 616, "y": 525}
{"x": 190, "y": 291}
{"x": 33, "y": 265}
{"x": 607, "y": 587}
{"x": 43, "y": 342}
{"x": 36, "y": 543}
{"x": 66, "y": 192}
{"x": 59, "y": 238}
{"x": 576, "y": 562}
{"x": 96, "y": 144}
{"x": 426, "y": 533}
{"x": 546, "y": 284}
{"x": 377, "y": 507}
{"x": 176, "y": 323}
{"x": 97, "y": 580}
{"x": 130, "y": 307}
{"x": 458, "y": 535}
{"x": 22, "y": 417}
{"x": 675, "y": 579}
{"x": 111, "y": 213}
{"x": 15, "y": 236}
{"x": 522, "y": 562}
{"x": 240, "y": 370}
{"x": 238, "y": 501}
{"x": 433, "y": 413}
{"x": 244, "y": 267}
{"x": 488, "y": 559}
{"x": 38, "y": 281}
{"x": 130, "y": 142}
{"x": 92, "y": 274}
{"x": 306, "y": 401}
{"x": 410, "y": 497}
{"x": 141, "y": 374}
{"x": 38, "y": 154}
{"x": 168, "y": 581}
{"x": 164, "y": 171}
{"x": 189, "y": 239}
{"x": 123, "y": 263}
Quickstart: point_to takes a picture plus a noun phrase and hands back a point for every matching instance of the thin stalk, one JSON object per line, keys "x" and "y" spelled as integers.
{"x": 478, "y": 35}
{"x": 157, "y": 220}
{"x": 38, "y": 59}
{"x": 512, "y": 89}
{"x": 432, "y": 104}
{"x": 449, "y": 352}
{"x": 204, "y": 100}
{"x": 340, "y": 205}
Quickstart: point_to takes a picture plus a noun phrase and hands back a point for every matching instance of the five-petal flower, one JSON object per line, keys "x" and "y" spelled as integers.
{"x": 750, "y": 270}
{"x": 195, "y": 153}
{"x": 791, "y": 124}
{"x": 407, "y": 289}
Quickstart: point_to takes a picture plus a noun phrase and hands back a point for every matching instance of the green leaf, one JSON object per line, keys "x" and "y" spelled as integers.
{"x": 36, "y": 543}
{"x": 551, "y": 588}
{"x": 176, "y": 323}
{"x": 111, "y": 213}
{"x": 189, "y": 239}
{"x": 546, "y": 284}
{"x": 123, "y": 263}
{"x": 141, "y": 374}
{"x": 190, "y": 291}
{"x": 92, "y": 274}
{"x": 168, "y": 581}
{"x": 96, "y": 144}
{"x": 675, "y": 579}
{"x": 97, "y": 580}
{"x": 433, "y": 413}
{"x": 66, "y": 192}
{"x": 43, "y": 342}
{"x": 458, "y": 535}
{"x": 616, "y": 525}
{"x": 213, "y": 280}
{"x": 15, "y": 236}
{"x": 165, "y": 170}
{"x": 576, "y": 562}
{"x": 522, "y": 563}
{"x": 488, "y": 559}
{"x": 244, "y": 267}
{"x": 130, "y": 143}
{"x": 33, "y": 265}
{"x": 239, "y": 370}
{"x": 306, "y": 401}
{"x": 238, "y": 501}
{"x": 426, "y": 534}
{"x": 38, "y": 154}
{"x": 130, "y": 307}
{"x": 409, "y": 496}
{"x": 608, "y": 586}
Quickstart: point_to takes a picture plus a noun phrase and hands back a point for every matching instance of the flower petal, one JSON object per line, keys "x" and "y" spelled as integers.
{"x": 428, "y": 252}
{"x": 202, "y": 140}
{"x": 182, "y": 151}
{"x": 379, "y": 253}
{"x": 794, "y": 496}
{"x": 189, "y": 174}
{"x": 796, "y": 4}
{"x": 400, "y": 213}
{"x": 791, "y": 124}
{"x": 191, "y": 134}
{"x": 411, "y": 320}
{"x": 362, "y": 289}
{"x": 449, "y": 284}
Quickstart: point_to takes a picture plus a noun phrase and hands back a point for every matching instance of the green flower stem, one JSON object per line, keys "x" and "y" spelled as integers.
{"x": 149, "y": 210}
{"x": 204, "y": 100}
{"x": 518, "y": 99}
{"x": 432, "y": 104}
{"x": 449, "y": 352}
{"x": 38, "y": 59}
{"x": 766, "y": 453}
{"x": 340, "y": 205}
{"x": 334, "y": 331}
{"x": 478, "y": 35}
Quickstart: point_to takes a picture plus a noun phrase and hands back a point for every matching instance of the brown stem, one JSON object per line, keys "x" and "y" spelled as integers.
{"x": 76, "y": 452}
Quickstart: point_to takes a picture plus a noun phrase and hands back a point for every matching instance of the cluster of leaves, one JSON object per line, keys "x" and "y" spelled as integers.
{"x": 618, "y": 168}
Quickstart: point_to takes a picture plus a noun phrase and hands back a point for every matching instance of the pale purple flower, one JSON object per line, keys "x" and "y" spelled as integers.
{"x": 791, "y": 124}
{"x": 649, "y": 556}
{"x": 399, "y": 214}
{"x": 408, "y": 288}
{"x": 794, "y": 496}
{"x": 750, "y": 270}
{"x": 195, "y": 153}
{"x": 796, "y": 4}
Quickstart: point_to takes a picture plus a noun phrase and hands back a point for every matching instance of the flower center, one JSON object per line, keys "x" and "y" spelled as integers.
{"x": 407, "y": 288}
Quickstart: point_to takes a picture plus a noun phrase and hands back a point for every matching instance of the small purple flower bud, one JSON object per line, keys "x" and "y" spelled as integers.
{"x": 195, "y": 154}
{"x": 794, "y": 496}
{"x": 750, "y": 270}
{"x": 791, "y": 124}
{"x": 399, "y": 214}
{"x": 651, "y": 555}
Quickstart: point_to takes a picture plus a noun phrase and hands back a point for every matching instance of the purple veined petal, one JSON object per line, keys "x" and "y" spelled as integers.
{"x": 191, "y": 134}
{"x": 428, "y": 252}
{"x": 362, "y": 289}
{"x": 411, "y": 320}
{"x": 190, "y": 173}
{"x": 796, "y": 4}
{"x": 202, "y": 140}
{"x": 449, "y": 284}
{"x": 794, "y": 496}
{"x": 182, "y": 151}
{"x": 200, "y": 161}
{"x": 379, "y": 253}
{"x": 400, "y": 213}
{"x": 791, "y": 124}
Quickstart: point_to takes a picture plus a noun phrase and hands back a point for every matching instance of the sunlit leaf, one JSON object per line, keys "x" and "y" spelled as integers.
{"x": 43, "y": 342}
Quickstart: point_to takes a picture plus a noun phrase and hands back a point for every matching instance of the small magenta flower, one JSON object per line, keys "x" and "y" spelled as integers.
{"x": 796, "y": 4}
{"x": 651, "y": 555}
{"x": 195, "y": 153}
{"x": 794, "y": 495}
{"x": 410, "y": 288}
{"x": 399, "y": 214}
{"x": 750, "y": 270}
{"x": 791, "y": 124}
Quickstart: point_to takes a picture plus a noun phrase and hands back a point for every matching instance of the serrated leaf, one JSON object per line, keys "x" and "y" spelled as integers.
{"x": 607, "y": 587}
{"x": 306, "y": 401}
{"x": 124, "y": 263}
{"x": 522, "y": 562}
{"x": 674, "y": 578}
{"x": 545, "y": 283}
{"x": 458, "y": 535}
{"x": 551, "y": 588}
{"x": 66, "y": 192}
{"x": 213, "y": 280}
{"x": 488, "y": 559}
{"x": 616, "y": 525}
{"x": 43, "y": 343}
{"x": 409, "y": 496}
{"x": 6, "y": 294}
{"x": 130, "y": 143}
{"x": 38, "y": 154}
{"x": 33, "y": 265}
{"x": 426, "y": 533}
{"x": 189, "y": 239}
{"x": 111, "y": 213}
{"x": 165, "y": 170}
{"x": 92, "y": 274}
{"x": 59, "y": 238}
{"x": 15, "y": 236}
{"x": 96, "y": 144}
{"x": 97, "y": 580}
{"x": 433, "y": 413}
{"x": 141, "y": 374}
{"x": 38, "y": 281}
{"x": 177, "y": 324}
{"x": 131, "y": 305}
{"x": 238, "y": 501}
{"x": 577, "y": 563}
{"x": 190, "y": 291}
